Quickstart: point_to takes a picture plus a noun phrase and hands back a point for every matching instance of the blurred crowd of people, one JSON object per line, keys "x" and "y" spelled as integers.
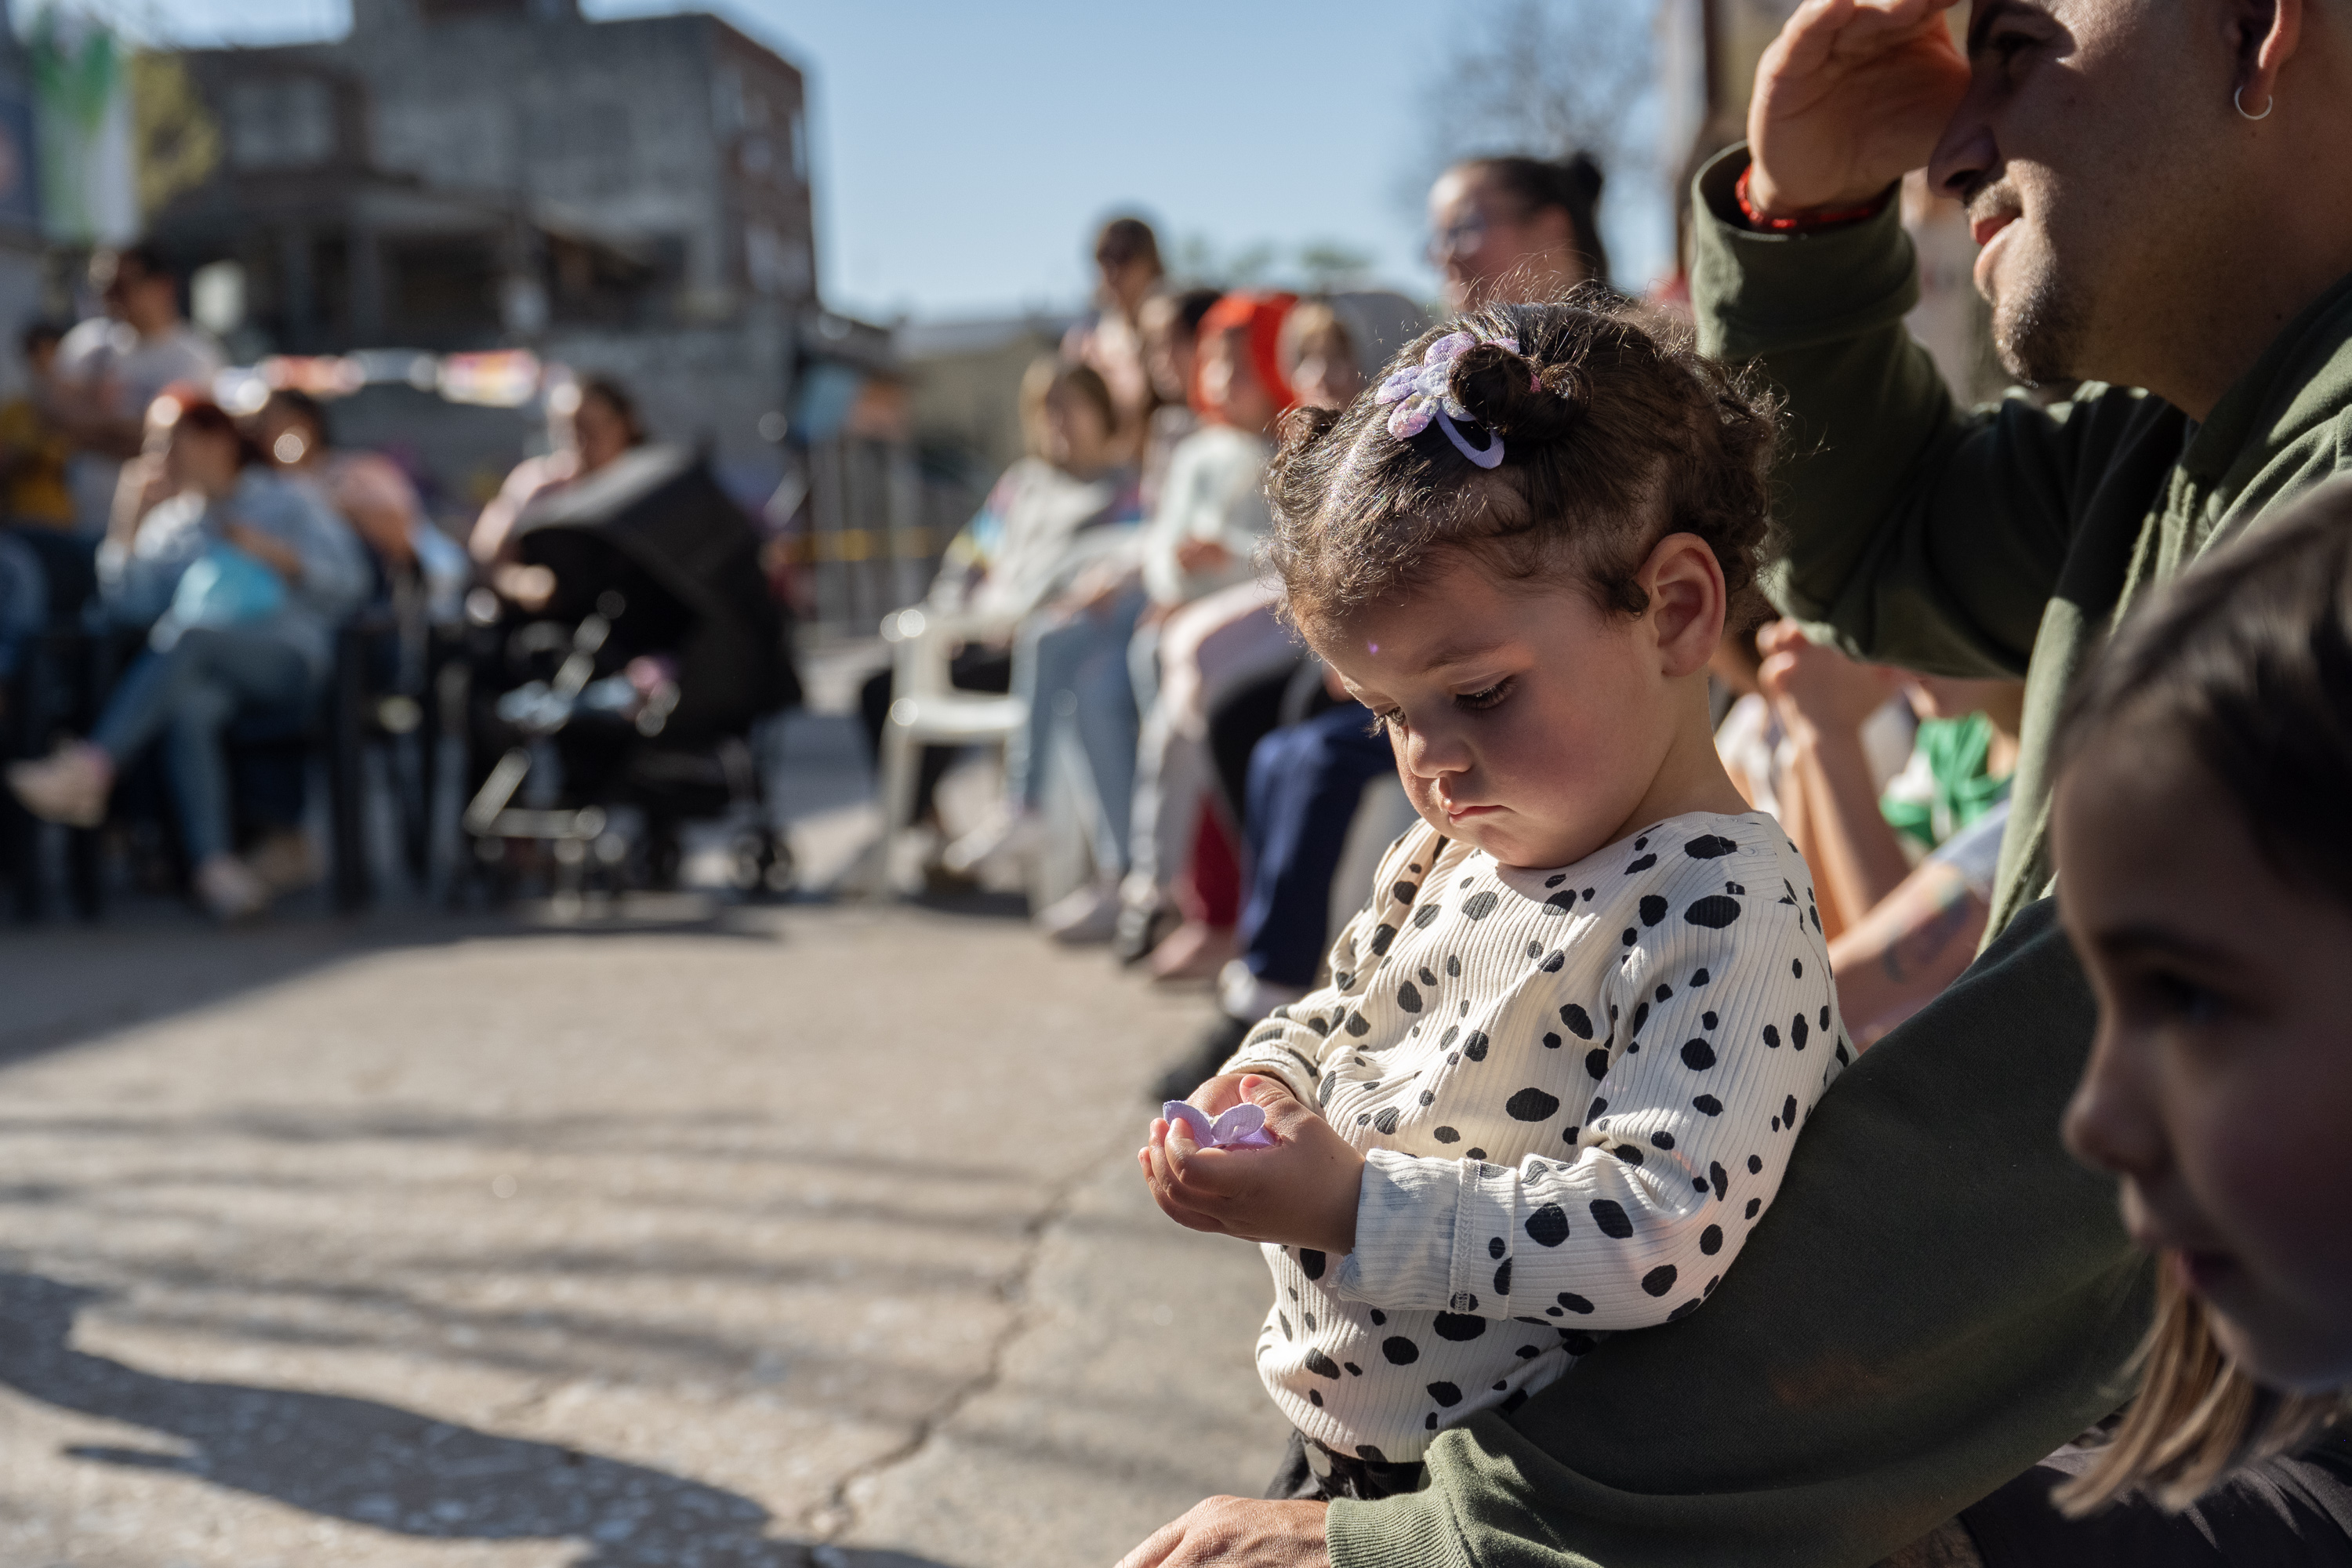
{"x": 1112, "y": 578}
{"x": 214, "y": 556}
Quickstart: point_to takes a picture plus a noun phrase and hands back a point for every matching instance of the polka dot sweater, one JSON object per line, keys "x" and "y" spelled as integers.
{"x": 1576, "y": 1090}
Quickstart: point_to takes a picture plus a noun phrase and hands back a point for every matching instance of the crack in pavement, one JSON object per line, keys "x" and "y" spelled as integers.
{"x": 837, "y": 1515}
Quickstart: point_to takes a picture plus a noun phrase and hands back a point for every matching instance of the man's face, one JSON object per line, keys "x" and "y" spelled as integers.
{"x": 2075, "y": 152}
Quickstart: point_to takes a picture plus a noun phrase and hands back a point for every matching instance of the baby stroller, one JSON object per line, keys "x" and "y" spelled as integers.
{"x": 629, "y": 700}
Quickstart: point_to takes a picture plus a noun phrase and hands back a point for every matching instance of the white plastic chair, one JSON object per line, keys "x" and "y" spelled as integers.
{"x": 926, "y": 709}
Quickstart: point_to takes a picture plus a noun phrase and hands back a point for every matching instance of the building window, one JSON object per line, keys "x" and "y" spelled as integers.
{"x": 280, "y": 122}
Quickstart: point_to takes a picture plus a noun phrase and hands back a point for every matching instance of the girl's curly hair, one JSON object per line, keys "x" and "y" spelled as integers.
{"x": 1616, "y": 433}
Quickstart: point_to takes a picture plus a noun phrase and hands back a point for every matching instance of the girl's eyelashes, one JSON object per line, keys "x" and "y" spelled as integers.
{"x": 1390, "y": 720}
{"x": 1478, "y": 701}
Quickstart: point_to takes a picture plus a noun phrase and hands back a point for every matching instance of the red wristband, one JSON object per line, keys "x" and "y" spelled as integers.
{"x": 1804, "y": 222}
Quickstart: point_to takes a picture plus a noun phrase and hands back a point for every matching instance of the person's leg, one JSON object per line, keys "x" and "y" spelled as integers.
{"x": 1306, "y": 784}
{"x": 221, "y": 674}
{"x": 1238, "y": 720}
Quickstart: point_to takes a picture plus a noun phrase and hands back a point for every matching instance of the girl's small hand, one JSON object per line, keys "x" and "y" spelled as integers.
{"x": 1218, "y": 1095}
{"x": 1301, "y": 1192}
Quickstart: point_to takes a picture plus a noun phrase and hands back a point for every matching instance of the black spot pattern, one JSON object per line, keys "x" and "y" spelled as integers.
{"x": 1574, "y": 1302}
{"x": 1715, "y": 912}
{"x": 1478, "y": 906}
{"x": 1426, "y": 916}
{"x": 1310, "y": 1263}
{"x": 1386, "y": 1121}
{"x": 1445, "y": 1135}
{"x": 1579, "y": 1021}
{"x": 1697, "y": 1055}
{"x": 1408, "y": 997}
{"x": 1503, "y": 1279}
{"x": 1642, "y": 864}
{"x": 1381, "y": 937}
{"x": 1474, "y": 1048}
{"x": 1401, "y": 1352}
{"x": 1459, "y": 1326}
{"x": 1322, "y": 1365}
{"x": 1445, "y": 1394}
{"x": 1404, "y": 891}
{"x": 1709, "y": 847}
{"x": 1609, "y": 1215}
{"x": 1710, "y": 1240}
{"x": 1707, "y": 1105}
{"x": 1548, "y": 1227}
{"x": 1659, "y": 1280}
{"x": 1721, "y": 1179}
{"x": 1653, "y": 909}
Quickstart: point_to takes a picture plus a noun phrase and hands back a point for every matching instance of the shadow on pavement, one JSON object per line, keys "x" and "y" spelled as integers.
{"x": 381, "y": 1466}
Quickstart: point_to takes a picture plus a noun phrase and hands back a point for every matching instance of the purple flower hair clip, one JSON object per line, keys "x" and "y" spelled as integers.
{"x": 1423, "y": 392}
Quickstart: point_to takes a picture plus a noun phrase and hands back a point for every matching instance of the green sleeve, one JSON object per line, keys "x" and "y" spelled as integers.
{"x": 1918, "y": 533}
{"x": 1938, "y": 1297}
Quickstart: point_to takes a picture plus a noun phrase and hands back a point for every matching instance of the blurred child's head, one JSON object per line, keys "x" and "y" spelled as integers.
{"x": 1524, "y": 565}
{"x": 1171, "y": 324}
{"x": 1067, "y": 415}
{"x": 2205, "y": 863}
{"x": 1240, "y": 380}
{"x": 1126, "y": 258}
{"x": 1320, "y": 357}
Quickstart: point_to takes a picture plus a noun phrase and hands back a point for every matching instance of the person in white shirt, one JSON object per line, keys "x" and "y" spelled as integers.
{"x": 1561, "y": 1058}
{"x": 111, "y": 367}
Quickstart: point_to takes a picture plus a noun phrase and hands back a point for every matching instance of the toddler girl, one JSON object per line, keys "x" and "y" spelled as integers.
{"x": 1562, "y": 1054}
{"x": 2206, "y": 879}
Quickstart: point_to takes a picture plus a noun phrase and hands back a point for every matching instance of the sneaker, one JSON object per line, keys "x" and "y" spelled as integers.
{"x": 68, "y": 786}
{"x": 228, "y": 889}
{"x": 1244, "y": 995}
{"x": 1141, "y": 928}
{"x": 1008, "y": 838}
{"x": 1083, "y": 918}
{"x": 285, "y": 862}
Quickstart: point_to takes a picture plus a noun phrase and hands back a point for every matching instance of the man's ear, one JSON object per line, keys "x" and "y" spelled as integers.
{"x": 2264, "y": 35}
{"x": 1688, "y": 602}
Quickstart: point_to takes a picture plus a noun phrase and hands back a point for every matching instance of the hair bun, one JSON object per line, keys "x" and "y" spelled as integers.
{"x": 1510, "y": 396}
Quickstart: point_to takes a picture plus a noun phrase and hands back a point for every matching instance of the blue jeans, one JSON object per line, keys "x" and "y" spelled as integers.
{"x": 1306, "y": 782}
{"x": 1075, "y": 672}
{"x": 188, "y": 697}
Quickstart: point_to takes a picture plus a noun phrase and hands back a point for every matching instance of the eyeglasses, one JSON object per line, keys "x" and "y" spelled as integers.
{"x": 1461, "y": 237}
{"x": 1465, "y": 235}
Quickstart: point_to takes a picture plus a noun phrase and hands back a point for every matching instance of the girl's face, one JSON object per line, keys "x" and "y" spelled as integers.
{"x": 202, "y": 461}
{"x": 1077, "y": 440}
{"x": 1229, "y": 382}
{"x": 1527, "y": 720}
{"x": 2220, "y": 1085}
{"x": 1326, "y": 376}
{"x": 1491, "y": 249}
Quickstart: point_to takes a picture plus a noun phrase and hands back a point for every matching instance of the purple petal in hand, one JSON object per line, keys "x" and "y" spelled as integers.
{"x": 1243, "y": 1127}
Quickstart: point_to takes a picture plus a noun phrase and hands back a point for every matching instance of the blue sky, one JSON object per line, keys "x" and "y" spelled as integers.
{"x": 962, "y": 158}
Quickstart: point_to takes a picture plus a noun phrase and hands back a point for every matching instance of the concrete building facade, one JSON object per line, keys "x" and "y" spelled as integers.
{"x": 625, "y": 196}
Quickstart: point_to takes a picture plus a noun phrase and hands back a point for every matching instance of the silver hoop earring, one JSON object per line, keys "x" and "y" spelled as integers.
{"x": 2236, "y": 102}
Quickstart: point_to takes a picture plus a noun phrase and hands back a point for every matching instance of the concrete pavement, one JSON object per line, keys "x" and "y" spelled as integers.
{"x": 711, "y": 1237}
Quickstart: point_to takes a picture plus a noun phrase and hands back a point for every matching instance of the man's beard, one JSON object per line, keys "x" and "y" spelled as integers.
{"x": 2037, "y": 328}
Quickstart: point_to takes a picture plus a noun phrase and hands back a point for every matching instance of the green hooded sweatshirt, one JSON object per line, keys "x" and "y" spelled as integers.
{"x": 1939, "y": 1296}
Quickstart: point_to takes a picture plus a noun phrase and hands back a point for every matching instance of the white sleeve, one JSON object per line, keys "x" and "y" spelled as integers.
{"x": 1721, "y": 1033}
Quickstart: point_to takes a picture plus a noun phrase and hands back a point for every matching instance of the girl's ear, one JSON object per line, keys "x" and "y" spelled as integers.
{"x": 1688, "y": 602}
